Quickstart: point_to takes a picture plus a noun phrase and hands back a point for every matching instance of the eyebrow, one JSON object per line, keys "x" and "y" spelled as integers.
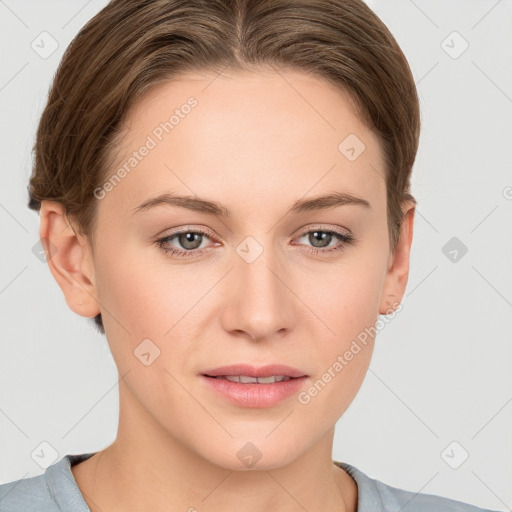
{"x": 198, "y": 204}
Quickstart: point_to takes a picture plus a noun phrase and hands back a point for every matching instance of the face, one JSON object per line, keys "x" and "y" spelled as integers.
{"x": 184, "y": 290}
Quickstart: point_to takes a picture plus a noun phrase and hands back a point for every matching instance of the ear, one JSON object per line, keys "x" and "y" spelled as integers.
{"x": 398, "y": 267}
{"x": 69, "y": 257}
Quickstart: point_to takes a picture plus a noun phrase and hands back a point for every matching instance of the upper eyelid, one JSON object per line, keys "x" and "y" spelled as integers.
{"x": 343, "y": 239}
{"x": 302, "y": 232}
{"x": 205, "y": 232}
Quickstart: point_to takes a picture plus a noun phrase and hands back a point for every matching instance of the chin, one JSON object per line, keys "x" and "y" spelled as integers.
{"x": 253, "y": 453}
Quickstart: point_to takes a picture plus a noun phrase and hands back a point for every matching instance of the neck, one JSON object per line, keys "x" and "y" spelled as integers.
{"x": 147, "y": 469}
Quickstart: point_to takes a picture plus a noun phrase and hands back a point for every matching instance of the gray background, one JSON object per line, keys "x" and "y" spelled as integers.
{"x": 441, "y": 370}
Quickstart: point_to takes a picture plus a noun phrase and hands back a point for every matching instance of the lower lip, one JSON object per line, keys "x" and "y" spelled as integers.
{"x": 254, "y": 394}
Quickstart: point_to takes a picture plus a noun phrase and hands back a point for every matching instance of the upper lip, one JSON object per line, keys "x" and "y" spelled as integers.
{"x": 254, "y": 371}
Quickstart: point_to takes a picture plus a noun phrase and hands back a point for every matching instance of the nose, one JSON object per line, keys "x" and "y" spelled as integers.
{"x": 259, "y": 300}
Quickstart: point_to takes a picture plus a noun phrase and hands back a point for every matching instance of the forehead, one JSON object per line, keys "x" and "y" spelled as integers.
{"x": 246, "y": 135}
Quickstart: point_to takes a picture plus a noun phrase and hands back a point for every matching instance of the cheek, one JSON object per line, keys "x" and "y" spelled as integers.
{"x": 132, "y": 308}
{"x": 346, "y": 304}
{"x": 126, "y": 294}
{"x": 344, "y": 298}
{"x": 343, "y": 362}
{"x": 345, "y": 293}
{"x": 146, "y": 297}
{"x": 142, "y": 291}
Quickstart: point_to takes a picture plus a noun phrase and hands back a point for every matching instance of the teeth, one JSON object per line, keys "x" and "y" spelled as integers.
{"x": 273, "y": 378}
{"x": 244, "y": 379}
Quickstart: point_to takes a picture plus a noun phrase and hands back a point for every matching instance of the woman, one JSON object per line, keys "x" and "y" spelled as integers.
{"x": 224, "y": 187}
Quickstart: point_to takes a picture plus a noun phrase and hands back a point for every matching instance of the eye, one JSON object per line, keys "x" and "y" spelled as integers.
{"x": 321, "y": 240}
{"x": 191, "y": 240}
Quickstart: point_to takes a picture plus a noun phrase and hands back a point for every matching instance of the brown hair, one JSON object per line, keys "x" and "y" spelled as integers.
{"x": 133, "y": 45}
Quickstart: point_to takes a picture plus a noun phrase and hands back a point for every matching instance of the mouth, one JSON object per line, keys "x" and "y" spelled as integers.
{"x": 249, "y": 386}
{"x": 247, "y": 379}
{"x": 248, "y": 374}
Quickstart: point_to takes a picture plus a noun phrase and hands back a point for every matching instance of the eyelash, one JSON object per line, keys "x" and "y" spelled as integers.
{"x": 344, "y": 238}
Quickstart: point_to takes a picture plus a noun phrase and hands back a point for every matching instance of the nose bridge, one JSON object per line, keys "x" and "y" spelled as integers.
{"x": 258, "y": 302}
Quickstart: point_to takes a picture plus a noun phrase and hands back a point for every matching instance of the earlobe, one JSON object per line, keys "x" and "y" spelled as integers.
{"x": 69, "y": 257}
{"x": 398, "y": 273}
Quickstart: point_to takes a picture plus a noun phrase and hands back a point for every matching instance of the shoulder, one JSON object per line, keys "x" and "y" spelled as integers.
{"x": 53, "y": 491}
{"x": 423, "y": 502}
{"x": 27, "y": 494}
{"x": 376, "y": 495}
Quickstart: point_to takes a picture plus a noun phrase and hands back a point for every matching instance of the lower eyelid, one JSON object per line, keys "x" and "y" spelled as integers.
{"x": 335, "y": 234}
{"x": 173, "y": 236}
{"x": 343, "y": 240}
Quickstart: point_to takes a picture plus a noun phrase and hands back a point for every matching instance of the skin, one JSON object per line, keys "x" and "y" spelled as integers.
{"x": 255, "y": 144}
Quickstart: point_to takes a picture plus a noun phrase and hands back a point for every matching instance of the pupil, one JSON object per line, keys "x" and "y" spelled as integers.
{"x": 189, "y": 240}
{"x": 319, "y": 236}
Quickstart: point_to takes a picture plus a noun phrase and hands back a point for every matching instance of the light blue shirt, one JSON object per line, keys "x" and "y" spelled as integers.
{"x": 56, "y": 490}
